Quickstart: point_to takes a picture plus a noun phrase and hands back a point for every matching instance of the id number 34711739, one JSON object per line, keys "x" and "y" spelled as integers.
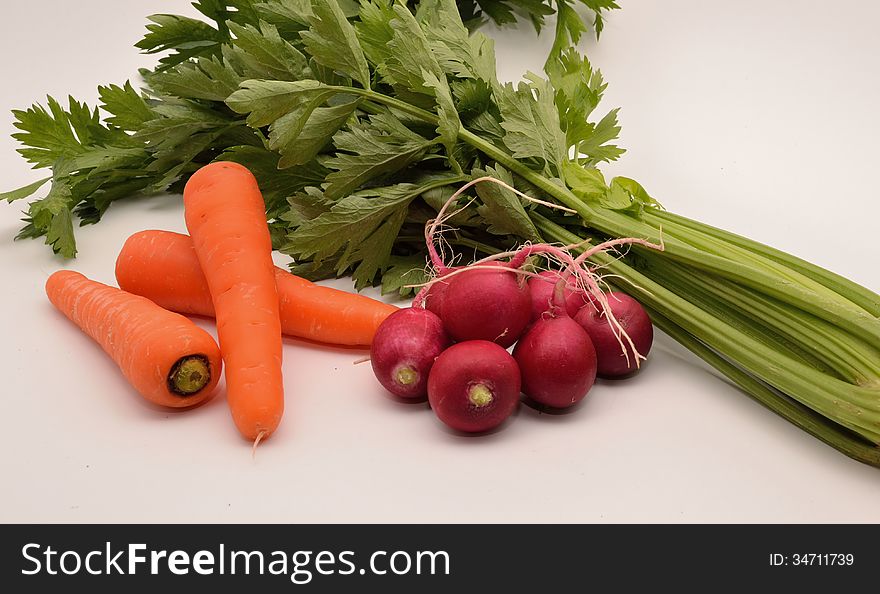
{"x": 811, "y": 559}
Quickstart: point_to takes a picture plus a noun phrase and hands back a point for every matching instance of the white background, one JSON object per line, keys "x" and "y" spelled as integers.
{"x": 757, "y": 116}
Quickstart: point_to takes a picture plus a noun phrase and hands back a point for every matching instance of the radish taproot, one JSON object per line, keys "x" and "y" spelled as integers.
{"x": 615, "y": 354}
{"x": 404, "y": 349}
{"x": 542, "y": 287}
{"x": 487, "y": 302}
{"x": 557, "y": 360}
{"x": 474, "y": 386}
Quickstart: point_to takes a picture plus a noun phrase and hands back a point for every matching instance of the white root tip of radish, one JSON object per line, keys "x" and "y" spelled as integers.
{"x": 361, "y": 360}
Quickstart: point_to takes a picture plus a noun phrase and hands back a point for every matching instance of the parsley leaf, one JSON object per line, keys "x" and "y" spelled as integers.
{"x": 502, "y": 209}
{"x": 306, "y": 205}
{"x": 633, "y": 190}
{"x": 128, "y": 109}
{"x": 569, "y": 26}
{"x": 184, "y": 37}
{"x": 531, "y": 122}
{"x": 359, "y": 230}
{"x": 596, "y": 146}
{"x": 290, "y": 17}
{"x": 585, "y": 182}
{"x": 472, "y": 97}
{"x": 300, "y": 123}
{"x": 405, "y": 60}
{"x": 24, "y": 191}
{"x": 48, "y": 134}
{"x": 332, "y": 41}
{"x": 578, "y": 91}
{"x": 449, "y": 123}
{"x": 460, "y": 53}
{"x": 504, "y": 12}
{"x": 51, "y": 216}
{"x": 211, "y": 79}
{"x": 299, "y": 139}
{"x": 374, "y": 29}
{"x": 260, "y": 52}
{"x": 224, "y": 12}
{"x": 268, "y": 100}
{"x": 369, "y": 150}
{"x": 402, "y": 271}
{"x": 59, "y": 234}
{"x": 598, "y": 6}
{"x": 408, "y": 54}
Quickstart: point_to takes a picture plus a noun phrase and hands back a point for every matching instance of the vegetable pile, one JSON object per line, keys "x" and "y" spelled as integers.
{"x": 358, "y": 128}
{"x": 493, "y": 304}
{"x": 225, "y": 270}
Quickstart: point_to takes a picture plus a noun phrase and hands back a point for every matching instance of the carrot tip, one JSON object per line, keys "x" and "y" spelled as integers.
{"x": 257, "y": 441}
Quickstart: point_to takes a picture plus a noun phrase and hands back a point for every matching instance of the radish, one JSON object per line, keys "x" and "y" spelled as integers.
{"x": 474, "y": 386}
{"x": 557, "y": 360}
{"x": 404, "y": 349}
{"x": 486, "y": 304}
{"x": 542, "y": 287}
{"x": 434, "y": 298}
{"x": 616, "y": 360}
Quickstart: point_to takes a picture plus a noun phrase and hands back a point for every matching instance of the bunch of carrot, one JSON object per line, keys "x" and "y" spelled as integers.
{"x": 222, "y": 269}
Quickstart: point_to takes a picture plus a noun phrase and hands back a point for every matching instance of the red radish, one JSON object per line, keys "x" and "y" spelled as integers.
{"x": 542, "y": 288}
{"x": 557, "y": 361}
{"x": 404, "y": 349}
{"x": 474, "y": 386}
{"x": 434, "y": 298}
{"x": 613, "y": 360}
{"x": 487, "y": 304}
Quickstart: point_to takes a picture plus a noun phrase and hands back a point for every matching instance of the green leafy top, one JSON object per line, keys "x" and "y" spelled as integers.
{"x": 332, "y": 42}
{"x": 353, "y": 118}
{"x": 570, "y": 25}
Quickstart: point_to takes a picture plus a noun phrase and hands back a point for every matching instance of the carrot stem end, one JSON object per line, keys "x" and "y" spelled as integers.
{"x": 189, "y": 375}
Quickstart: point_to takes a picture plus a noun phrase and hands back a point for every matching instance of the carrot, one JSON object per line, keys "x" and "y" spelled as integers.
{"x": 225, "y": 215}
{"x": 168, "y": 359}
{"x": 163, "y": 266}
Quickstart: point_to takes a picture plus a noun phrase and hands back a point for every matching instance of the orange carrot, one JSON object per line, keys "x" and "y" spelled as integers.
{"x": 225, "y": 215}
{"x": 166, "y": 357}
{"x": 163, "y": 266}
